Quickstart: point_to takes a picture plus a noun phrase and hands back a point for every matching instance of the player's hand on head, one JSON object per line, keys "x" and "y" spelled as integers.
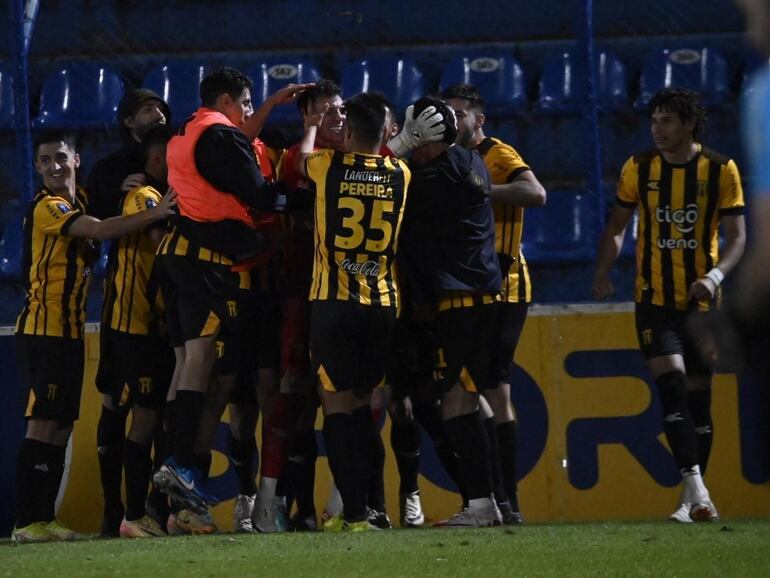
{"x": 290, "y": 92}
{"x": 426, "y": 128}
{"x": 602, "y": 288}
{"x": 703, "y": 289}
{"x": 133, "y": 181}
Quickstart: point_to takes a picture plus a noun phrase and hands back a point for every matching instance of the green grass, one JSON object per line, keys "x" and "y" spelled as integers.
{"x": 740, "y": 548}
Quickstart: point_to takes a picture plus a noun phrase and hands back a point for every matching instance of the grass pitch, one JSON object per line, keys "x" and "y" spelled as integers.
{"x": 740, "y": 548}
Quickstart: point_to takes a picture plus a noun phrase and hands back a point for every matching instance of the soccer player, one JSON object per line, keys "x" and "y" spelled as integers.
{"x": 452, "y": 268}
{"x": 359, "y": 205}
{"x": 514, "y": 187}
{"x": 57, "y": 259}
{"x": 111, "y": 177}
{"x": 686, "y": 194}
{"x": 283, "y": 448}
{"x": 134, "y": 356}
{"x": 212, "y": 165}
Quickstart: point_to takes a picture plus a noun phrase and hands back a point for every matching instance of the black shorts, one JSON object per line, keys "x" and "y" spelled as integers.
{"x": 410, "y": 364}
{"x": 52, "y": 370}
{"x": 134, "y": 369}
{"x": 349, "y": 345}
{"x": 662, "y": 331}
{"x": 206, "y": 295}
{"x": 464, "y": 345}
{"x": 508, "y": 326}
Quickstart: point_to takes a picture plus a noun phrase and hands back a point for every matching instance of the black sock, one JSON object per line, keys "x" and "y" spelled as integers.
{"x": 138, "y": 470}
{"x": 677, "y": 423}
{"x": 495, "y": 467}
{"x": 338, "y": 432}
{"x": 110, "y": 437}
{"x": 300, "y": 470}
{"x": 169, "y": 426}
{"x": 157, "y": 500}
{"x": 429, "y": 416}
{"x": 699, "y": 404}
{"x": 506, "y": 442}
{"x": 202, "y": 461}
{"x": 468, "y": 438}
{"x": 242, "y": 454}
{"x": 37, "y": 472}
{"x": 370, "y": 460}
{"x": 189, "y": 409}
{"x": 405, "y": 440}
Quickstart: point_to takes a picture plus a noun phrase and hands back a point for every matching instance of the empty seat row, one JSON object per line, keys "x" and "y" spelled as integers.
{"x": 86, "y": 95}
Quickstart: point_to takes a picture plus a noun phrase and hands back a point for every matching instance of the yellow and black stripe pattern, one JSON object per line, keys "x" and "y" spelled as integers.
{"x": 359, "y": 207}
{"x": 56, "y": 267}
{"x": 460, "y": 299}
{"x": 174, "y": 244}
{"x": 132, "y": 299}
{"x": 504, "y": 165}
{"x": 679, "y": 211}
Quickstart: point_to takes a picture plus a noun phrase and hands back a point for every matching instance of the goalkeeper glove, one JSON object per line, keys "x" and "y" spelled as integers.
{"x": 426, "y": 128}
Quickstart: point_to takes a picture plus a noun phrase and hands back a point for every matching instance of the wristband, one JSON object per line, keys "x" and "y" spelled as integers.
{"x": 716, "y": 276}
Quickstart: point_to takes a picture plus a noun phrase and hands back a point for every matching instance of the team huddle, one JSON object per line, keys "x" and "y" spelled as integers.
{"x": 365, "y": 269}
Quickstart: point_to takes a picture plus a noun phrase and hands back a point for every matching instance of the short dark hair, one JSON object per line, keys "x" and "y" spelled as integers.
{"x": 450, "y": 127}
{"x": 466, "y": 92}
{"x": 49, "y": 136}
{"x": 224, "y": 80}
{"x": 365, "y": 115}
{"x": 324, "y": 88}
{"x": 683, "y": 102}
{"x": 158, "y": 135}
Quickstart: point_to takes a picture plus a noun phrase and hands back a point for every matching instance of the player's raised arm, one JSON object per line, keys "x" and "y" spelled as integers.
{"x": 286, "y": 95}
{"x": 312, "y": 124}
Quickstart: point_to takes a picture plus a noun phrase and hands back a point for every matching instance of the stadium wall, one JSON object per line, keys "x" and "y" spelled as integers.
{"x": 591, "y": 446}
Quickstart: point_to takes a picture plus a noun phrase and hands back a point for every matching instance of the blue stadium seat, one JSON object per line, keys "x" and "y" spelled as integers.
{"x": 273, "y": 75}
{"x": 754, "y": 62}
{"x": 80, "y": 95}
{"x": 563, "y": 83}
{"x": 11, "y": 249}
{"x": 499, "y": 78}
{"x": 703, "y": 70}
{"x": 178, "y": 83}
{"x": 565, "y": 230}
{"x": 6, "y": 97}
{"x": 399, "y": 78}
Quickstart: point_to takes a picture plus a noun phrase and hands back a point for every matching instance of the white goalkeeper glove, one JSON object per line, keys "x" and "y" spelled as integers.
{"x": 426, "y": 128}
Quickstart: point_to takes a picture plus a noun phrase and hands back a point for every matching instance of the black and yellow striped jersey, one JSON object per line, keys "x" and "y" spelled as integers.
{"x": 132, "y": 299}
{"x": 359, "y": 207}
{"x": 505, "y": 164}
{"x": 55, "y": 266}
{"x": 679, "y": 211}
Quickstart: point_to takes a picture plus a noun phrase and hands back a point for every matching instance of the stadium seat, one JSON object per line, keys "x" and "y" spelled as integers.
{"x": 703, "y": 70}
{"x": 565, "y": 230}
{"x": 754, "y": 62}
{"x": 80, "y": 95}
{"x": 11, "y": 249}
{"x": 273, "y": 75}
{"x": 499, "y": 78}
{"x": 399, "y": 78}
{"x": 178, "y": 83}
{"x": 6, "y": 97}
{"x": 564, "y": 78}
